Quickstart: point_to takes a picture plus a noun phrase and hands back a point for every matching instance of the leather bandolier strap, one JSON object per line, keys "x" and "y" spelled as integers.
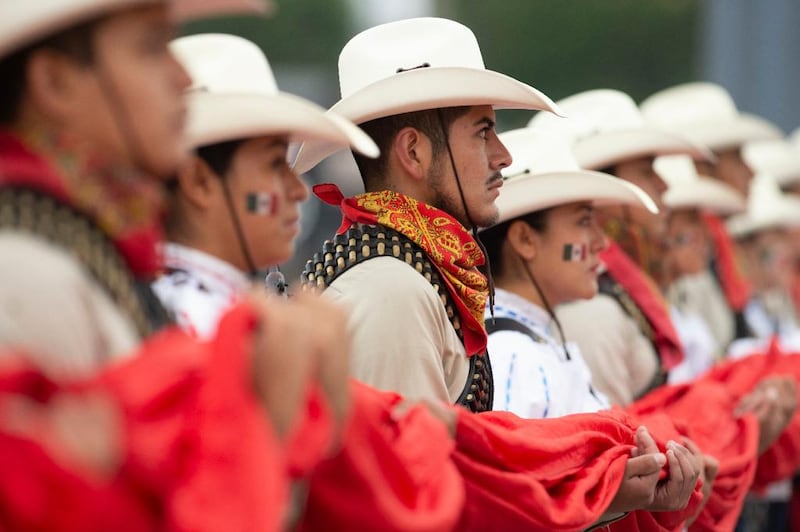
{"x": 366, "y": 242}
{"x": 608, "y": 286}
{"x": 41, "y": 215}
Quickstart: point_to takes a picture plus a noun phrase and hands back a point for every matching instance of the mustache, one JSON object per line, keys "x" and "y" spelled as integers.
{"x": 494, "y": 178}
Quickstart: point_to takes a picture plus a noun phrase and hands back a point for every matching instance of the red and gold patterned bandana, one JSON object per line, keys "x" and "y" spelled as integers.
{"x": 448, "y": 244}
{"x": 124, "y": 203}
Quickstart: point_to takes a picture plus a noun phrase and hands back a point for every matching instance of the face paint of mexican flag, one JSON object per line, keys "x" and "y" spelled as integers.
{"x": 261, "y": 203}
{"x": 574, "y": 252}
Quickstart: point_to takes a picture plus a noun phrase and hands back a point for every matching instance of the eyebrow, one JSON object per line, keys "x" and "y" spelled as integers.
{"x": 486, "y": 121}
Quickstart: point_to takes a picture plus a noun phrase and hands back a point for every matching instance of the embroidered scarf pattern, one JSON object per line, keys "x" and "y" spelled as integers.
{"x": 125, "y": 204}
{"x": 451, "y": 248}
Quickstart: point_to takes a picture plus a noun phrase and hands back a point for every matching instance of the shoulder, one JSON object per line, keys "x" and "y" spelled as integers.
{"x": 28, "y": 257}
{"x": 382, "y": 278}
{"x": 598, "y": 310}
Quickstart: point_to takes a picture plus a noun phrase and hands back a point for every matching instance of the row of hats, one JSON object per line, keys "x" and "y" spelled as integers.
{"x": 382, "y": 74}
{"x": 427, "y": 63}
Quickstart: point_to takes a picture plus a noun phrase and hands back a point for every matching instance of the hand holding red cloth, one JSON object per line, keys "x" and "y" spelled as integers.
{"x": 548, "y": 474}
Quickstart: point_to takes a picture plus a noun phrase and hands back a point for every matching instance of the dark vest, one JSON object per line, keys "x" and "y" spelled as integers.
{"x": 363, "y": 243}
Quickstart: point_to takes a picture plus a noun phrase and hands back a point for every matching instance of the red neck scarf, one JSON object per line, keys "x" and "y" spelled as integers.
{"x": 448, "y": 244}
{"x": 647, "y": 297}
{"x": 122, "y": 202}
{"x": 734, "y": 285}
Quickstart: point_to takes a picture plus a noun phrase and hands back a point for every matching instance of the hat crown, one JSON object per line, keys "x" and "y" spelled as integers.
{"x": 676, "y": 170}
{"x": 225, "y": 64}
{"x": 777, "y": 157}
{"x": 766, "y": 201}
{"x": 592, "y": 113}
{"x": 536, "y": 152}
{"x": 690, "y": 103}
{"x": 390, "y": 49}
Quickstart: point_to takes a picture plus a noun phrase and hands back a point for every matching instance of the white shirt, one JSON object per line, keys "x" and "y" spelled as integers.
{"x": 198, "y": 288}
{"x": 537, "y": 379}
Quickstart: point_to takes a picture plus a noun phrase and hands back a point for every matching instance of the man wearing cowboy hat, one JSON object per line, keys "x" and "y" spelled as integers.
{"x": 706, "y": 114}
{"x": 420, "y": 89}
{"x": 686, "y": 257}
{"x": 92, "y": 117}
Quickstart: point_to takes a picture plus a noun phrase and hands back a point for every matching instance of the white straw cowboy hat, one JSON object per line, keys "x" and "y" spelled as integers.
{"x": 686, "y": 189}
{"x": 607, "y": 128}
{"x": 24, "y": 22}
{"x": 776, "y": 157}
{"x": 767, "y": 208}
{"x": 234, "y": 96}
{"x": 706, "y": 113}
{"x": 416, "y": 64}
{"x": 544, "y": 174}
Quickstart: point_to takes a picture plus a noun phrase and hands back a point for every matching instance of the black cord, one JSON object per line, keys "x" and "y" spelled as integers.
{"x": 237, "y": 226}
{"x": 547, "y": 306}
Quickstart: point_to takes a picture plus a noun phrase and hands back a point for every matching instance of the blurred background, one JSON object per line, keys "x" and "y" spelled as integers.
{"x": 559, "y": 46}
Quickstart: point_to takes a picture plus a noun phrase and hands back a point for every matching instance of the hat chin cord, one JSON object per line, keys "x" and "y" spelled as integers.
{"x": 121, "y": 118}
{"x": 470, "y": 221}
{"x": 252, "y": 270}
{"x": 546, "y": 304}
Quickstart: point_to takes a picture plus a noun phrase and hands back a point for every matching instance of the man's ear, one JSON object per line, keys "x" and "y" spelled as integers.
{"x": 55, "y": 83}
{"x": 198, "y": 183}
{"x": 413, "y": 152}
{"x": 523, "y": 239}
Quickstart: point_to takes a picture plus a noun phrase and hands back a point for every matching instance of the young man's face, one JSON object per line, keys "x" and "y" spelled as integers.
{"x": 687, "y": 246}
{"x": 266, "y": 195}
{"x": 640, "y": 172}
{"x": 479, "y": 156}
{"x": 732, "y": 169}
{"x": 129, "y": 103}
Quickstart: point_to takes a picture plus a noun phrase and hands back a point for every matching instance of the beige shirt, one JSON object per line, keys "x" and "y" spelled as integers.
{"x": 402, "y": 338}
{"x": 701, "y": 294}
{"x": 622, "y": 360}
{"x": 52, "y": 307}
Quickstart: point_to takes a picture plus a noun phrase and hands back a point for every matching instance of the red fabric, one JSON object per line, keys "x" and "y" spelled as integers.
{"x": 649, "y": 300}
{"x": 37, "y": 494}
{"x": 21, "y": 166}
{"x": 448, "y": 245}
{"x": 675, "y": 411}
{"x": 549, "y": 474}
{"x": 389, "y": 475}
{"x": 739, "y": 376}
{"x": 198, "y": 453}
{"x": 734, "y": 285}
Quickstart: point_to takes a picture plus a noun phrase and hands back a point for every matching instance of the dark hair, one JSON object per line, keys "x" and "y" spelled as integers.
{"x": 494, "y": 237}
{"x": 219, "y": 156}
{"x": 384, "y": 130}
{"x": 77, "y": 43}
